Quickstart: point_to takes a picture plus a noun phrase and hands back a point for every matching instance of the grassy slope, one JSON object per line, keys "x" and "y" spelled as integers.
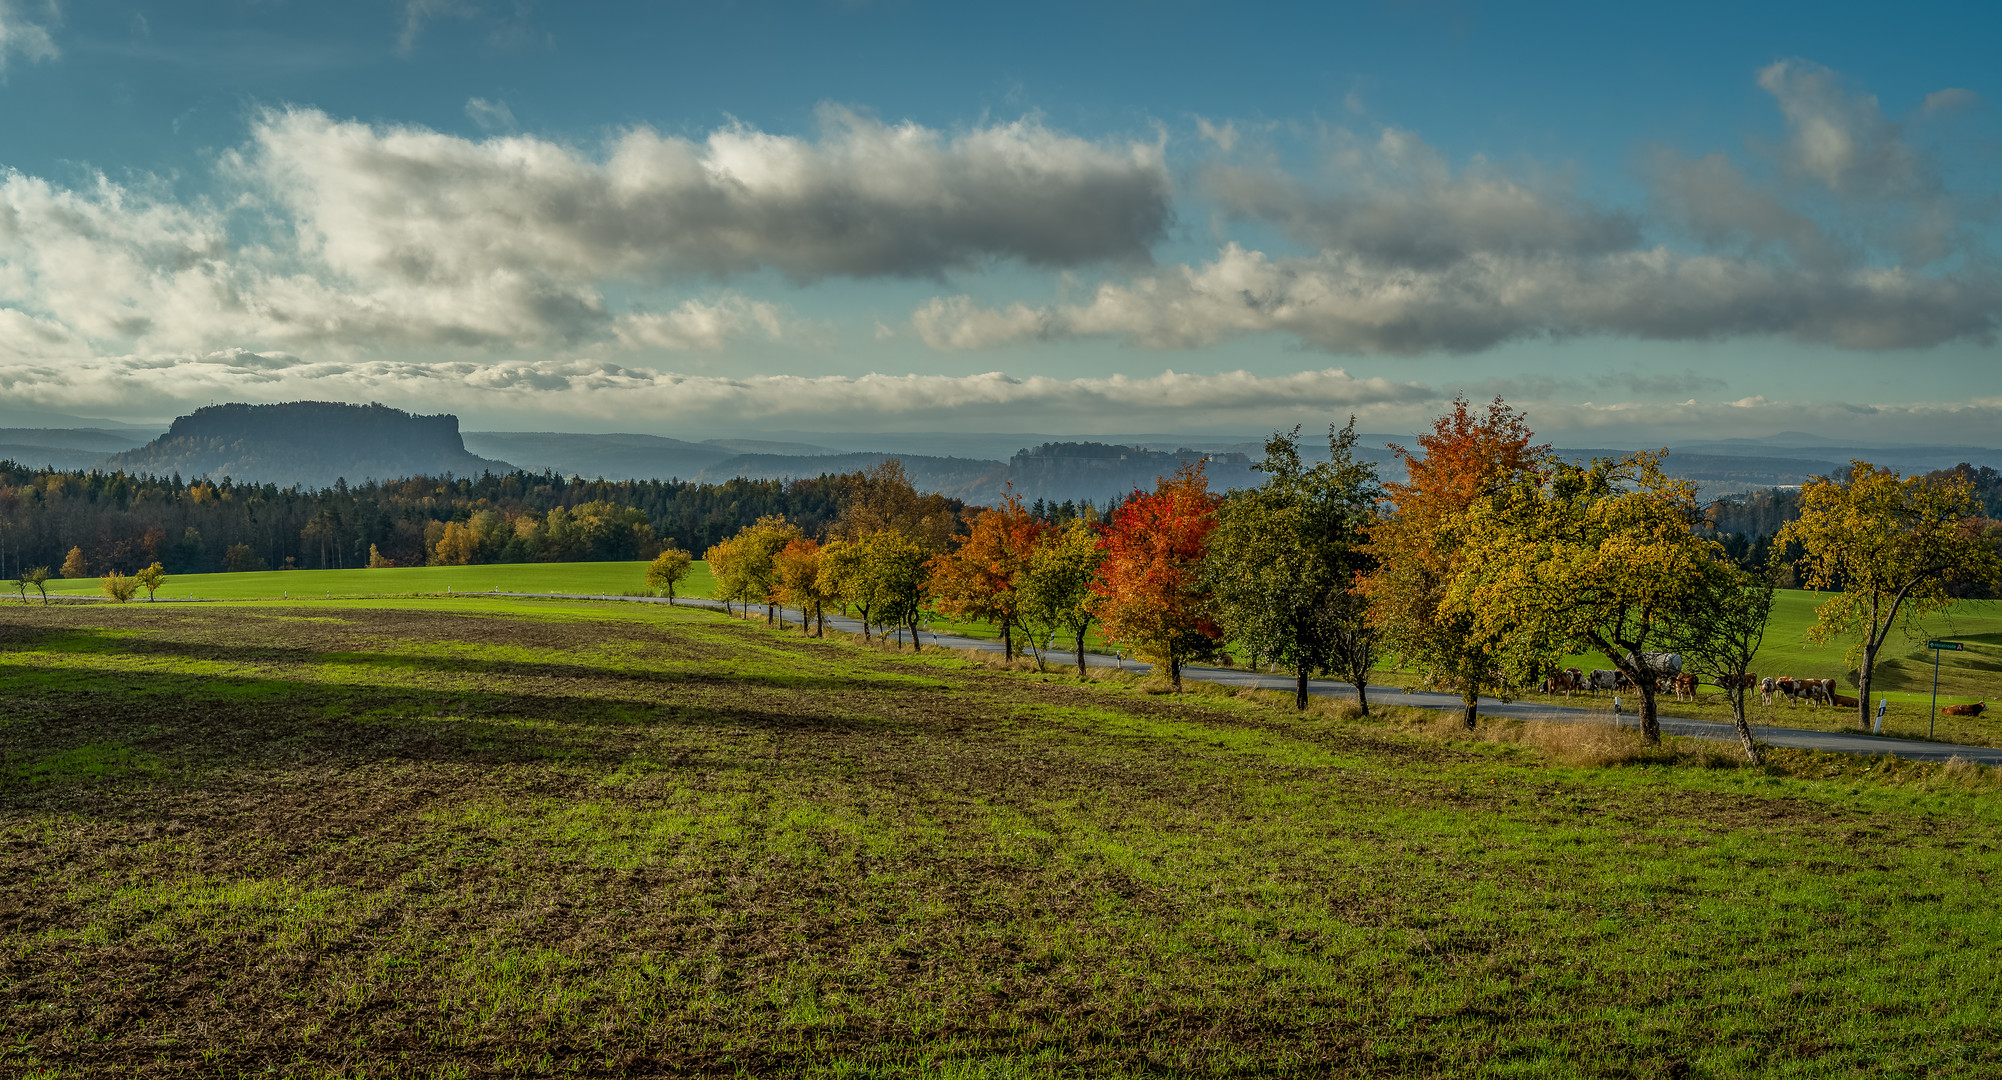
{"x": 477, "y": 837}
{"x": 1904, "y": 675}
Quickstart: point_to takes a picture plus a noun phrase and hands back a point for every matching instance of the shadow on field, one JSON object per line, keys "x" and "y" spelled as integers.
{"x": 99, "y": 722}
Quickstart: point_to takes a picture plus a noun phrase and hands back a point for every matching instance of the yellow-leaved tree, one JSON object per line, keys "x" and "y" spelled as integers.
{"x": 74, "y": 565}
{"x": 1602, "y": 557}
{"x": 1891, "y": 545}
{"x": 745, "y": 566}
{"x": 667, "y": 569}
{"x": 1416, "y": 543}
{"x": 151, "y": 579}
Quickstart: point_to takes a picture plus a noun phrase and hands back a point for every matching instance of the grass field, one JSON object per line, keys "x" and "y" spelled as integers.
{"x": 1904, "y": 675}
{"x": 476, "y": 837}
{"x": 585, "y": 577}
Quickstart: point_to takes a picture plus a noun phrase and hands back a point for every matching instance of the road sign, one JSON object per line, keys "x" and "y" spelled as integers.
{"x": 1950, "y": 646}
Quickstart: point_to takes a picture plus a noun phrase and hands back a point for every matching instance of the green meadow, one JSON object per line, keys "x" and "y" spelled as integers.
{"x": 1904, "y": 673}
{"x": 476, "y": 837}
{"x": 582, "y": 577}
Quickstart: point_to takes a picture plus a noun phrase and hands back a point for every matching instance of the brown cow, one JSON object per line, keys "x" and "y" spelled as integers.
{"x": 1564, "y": 682}
{"x": 1685, "y": 687}
{"x": 1964, "y": 710}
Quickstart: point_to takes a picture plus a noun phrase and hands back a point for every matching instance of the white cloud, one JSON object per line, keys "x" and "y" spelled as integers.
{"x": 699, "y": 325}
{"x": 865, "y": 199}
{"x": 25, "y": 34}
{"x": 490, "y": 115}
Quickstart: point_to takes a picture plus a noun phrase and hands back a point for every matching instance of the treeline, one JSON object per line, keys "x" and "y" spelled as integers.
{"x": 122, "y": 522}
{"x": 1489, "y": 562}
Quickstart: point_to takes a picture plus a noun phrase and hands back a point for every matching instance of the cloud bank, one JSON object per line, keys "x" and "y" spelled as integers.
{"x": 384, "y": 237}
{"x": 1852, "y": 241}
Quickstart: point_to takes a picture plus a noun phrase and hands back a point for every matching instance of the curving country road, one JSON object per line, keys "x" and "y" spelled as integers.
{"x": 1834, "y": 742}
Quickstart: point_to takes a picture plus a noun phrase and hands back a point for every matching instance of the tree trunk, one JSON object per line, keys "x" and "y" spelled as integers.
{"x": 1300, "y": 689}
{"x": 1362, "y": 695}
{"x": 1080, "y": 655}
{"x": 865, "y": 623}
{"x": 1737, "y": 699}
{"x": 915, "y": 647}
{"x": 1175, "y": 671}
{"x": 1863, "y": 686}
{"x": 1650, "y": 724}
{"x": 1007, "y": 641}
{"x": 1470, "y": 702}
{"x": 768, "y": 614}
{"x": 819, "y": 620}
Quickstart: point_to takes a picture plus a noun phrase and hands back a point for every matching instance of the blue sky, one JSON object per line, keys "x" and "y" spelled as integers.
{"x": 695, "y": 218}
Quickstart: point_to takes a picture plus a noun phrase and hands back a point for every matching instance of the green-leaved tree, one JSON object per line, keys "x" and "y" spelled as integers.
{"x": 1056, "y": 592}
{"x": 1284, "y": 560}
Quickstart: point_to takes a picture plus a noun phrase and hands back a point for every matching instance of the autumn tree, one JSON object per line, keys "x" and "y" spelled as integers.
{"x": 667, "y": 570}
{"x": 841, "y": 578}
{"x": 1415, "y": 542}
{"x": 982, "y": 577}
{"x": 1284, "y": 559}
{"x": 1056, "y": 592}
{"x": 882, "y": 499}
{"x": 800, "y": 583}
{"x": 890, "y": 580}
{"x": 1153, "y": 593}
{"x": 377, "y": 560}
{"x": 152, "y": 579}
{"x": 37, "y": 578}
{"x": 74, "y": 565}
{"x": 1602, "y": 557}
{"x": 746, "y": 569}
{"x": 119, "y": 587}
{"x": 1892, "y": 546}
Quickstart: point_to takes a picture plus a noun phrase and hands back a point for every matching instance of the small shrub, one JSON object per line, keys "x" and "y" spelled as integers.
{"x": 119, "y": 587}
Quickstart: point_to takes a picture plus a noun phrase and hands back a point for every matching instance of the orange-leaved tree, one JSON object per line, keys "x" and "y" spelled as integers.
{"x": 1418, "y": 538}
{"x": 1153, "y": 597}
{"x": 982, "y": 578}
{"x": 802, "y": 585}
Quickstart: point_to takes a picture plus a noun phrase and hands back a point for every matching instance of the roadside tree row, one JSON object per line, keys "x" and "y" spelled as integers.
{"x": 1477, "y": 572}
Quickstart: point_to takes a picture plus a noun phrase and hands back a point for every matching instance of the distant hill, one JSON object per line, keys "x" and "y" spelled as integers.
{"x": 614, "y": 457}
{"x": 308, "y": 443}
{"x": 63, "y": 448}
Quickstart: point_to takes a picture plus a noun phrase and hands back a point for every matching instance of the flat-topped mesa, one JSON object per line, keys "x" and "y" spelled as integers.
{"x": 307, "y": 443}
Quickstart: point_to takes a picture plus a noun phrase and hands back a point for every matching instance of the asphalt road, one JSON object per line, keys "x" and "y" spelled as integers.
{"x": 1835, "y": 742}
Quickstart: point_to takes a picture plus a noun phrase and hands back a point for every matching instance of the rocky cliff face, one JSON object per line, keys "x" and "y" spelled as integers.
{"x": 307, "y": 443}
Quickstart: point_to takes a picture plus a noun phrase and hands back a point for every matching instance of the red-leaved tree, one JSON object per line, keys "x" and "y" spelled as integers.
{"x": 1154, "y": 599}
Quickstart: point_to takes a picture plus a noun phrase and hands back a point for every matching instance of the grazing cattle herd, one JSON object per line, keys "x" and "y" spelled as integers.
{"x": 1571, "y": 680}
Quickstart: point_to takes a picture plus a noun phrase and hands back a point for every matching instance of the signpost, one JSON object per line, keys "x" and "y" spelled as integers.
{"x": 1937, "y": 647}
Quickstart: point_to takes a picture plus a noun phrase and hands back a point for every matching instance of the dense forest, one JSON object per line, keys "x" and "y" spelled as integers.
{"x": 124, "y": 522}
